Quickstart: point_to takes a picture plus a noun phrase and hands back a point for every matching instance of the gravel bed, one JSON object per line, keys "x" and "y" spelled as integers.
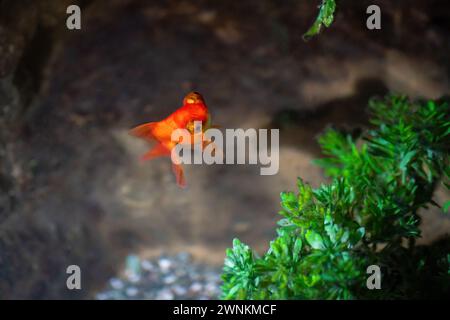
{"x": 163, "y": 278}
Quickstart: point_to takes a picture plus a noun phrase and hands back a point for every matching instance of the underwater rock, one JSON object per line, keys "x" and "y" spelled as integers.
{"x": 36, "y": 243}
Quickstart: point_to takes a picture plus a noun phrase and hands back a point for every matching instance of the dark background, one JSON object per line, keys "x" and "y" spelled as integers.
{"x": 72, "y": 190}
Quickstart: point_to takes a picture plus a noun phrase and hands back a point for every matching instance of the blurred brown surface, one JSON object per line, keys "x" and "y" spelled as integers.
{"x": 73, "y": 190}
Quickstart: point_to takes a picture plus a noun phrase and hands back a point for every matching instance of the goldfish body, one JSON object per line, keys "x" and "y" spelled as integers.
{"x": 193, "y": 109}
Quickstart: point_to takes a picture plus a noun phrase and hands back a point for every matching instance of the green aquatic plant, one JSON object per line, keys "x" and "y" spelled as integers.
{"x": 324, "y": 18}
{"x": 367, "y": 215}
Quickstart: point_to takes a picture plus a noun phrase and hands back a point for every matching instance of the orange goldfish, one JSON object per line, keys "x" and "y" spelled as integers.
{"x": 193, "y": 109}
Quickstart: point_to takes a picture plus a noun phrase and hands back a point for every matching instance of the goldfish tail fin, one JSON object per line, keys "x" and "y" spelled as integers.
{"x": 157, "y": 151}
{"x": 179, "y": 175}
{"x": 144, "y": 131}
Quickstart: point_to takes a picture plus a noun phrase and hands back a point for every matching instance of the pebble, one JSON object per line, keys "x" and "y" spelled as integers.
{"x": 116, "y": 283}
{"x": 196, "y": 287}
{"x": 164, "y": 264}
{"x": 134, "y": 278}
{"x": 169, "y": 279}
{"x": 180, "y": 273}
{"x": 102, "y": 296}
{"x": 147, "y": 265}
{"x": 131, "y": 291}
{"x": 179, "y": 290}
{"x": 211, "y": 288}
{"x": 164, "y": 295}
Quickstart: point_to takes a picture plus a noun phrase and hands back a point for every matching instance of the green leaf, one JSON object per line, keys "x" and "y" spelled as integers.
{"x": 406, "y": 159}
{"x": 330, "y": 228}
{"x": 357, "y": 235}
{"x": 297, "y": 249}
{"x": 314, "y": 240}
{"x": 289, "y": 202}
{"x": 284, "y": 223}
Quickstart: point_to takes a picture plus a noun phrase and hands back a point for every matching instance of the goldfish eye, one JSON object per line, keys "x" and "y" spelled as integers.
{"x": 193, "y": 97}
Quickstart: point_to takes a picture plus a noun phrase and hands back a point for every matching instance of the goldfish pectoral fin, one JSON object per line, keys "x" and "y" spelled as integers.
{"x": 179, "y": 175}
{"x": 157, "y": 151}
{"x": 144, "y": 131}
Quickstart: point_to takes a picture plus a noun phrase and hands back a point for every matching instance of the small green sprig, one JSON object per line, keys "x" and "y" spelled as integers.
{"x": 324, "y": 18}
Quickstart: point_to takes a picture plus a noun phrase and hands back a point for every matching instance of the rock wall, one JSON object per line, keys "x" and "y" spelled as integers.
{"x": 36, "y": 245}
